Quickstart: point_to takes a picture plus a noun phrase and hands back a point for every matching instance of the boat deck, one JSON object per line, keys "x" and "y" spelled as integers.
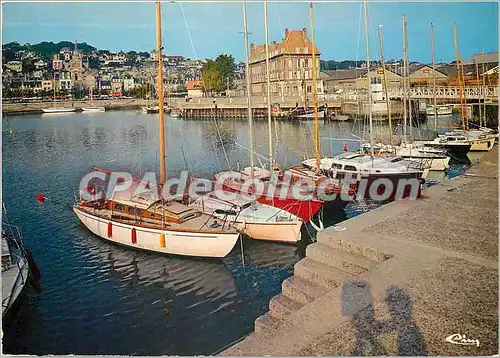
{"x": 11, "y": 286}
{"x": 201, "y": 222}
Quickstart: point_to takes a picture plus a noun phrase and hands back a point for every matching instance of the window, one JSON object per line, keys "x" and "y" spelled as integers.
{"x": 119, "y": 207}
{"x": 132, "y": 210}
{"x": 290, "y": 63}
{"x": 351, "y": 168}
{"x": 336, "y": 166}
{"x": 309, "y": 89}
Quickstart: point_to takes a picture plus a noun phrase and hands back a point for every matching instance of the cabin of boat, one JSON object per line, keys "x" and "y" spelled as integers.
{"x": 158, "y": 225}
{"x": 145, "y": 211}
{"x": 353, "y": 163}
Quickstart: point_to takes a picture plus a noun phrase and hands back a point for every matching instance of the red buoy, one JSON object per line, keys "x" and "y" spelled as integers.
{"x": 345, "y": 148}
{"x": 134, "y": 236}
{"x": 110, "y": 229}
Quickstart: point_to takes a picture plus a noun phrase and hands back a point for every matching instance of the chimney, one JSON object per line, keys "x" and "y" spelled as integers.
{"x": 304, "y": 34}
{"x": 286, "y": 33}
{"x": 252, "y": 46}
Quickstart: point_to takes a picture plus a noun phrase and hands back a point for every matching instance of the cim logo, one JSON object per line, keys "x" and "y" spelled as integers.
{"x": 462, "y": 339}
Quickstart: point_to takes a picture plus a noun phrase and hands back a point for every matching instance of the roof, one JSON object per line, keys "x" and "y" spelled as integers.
{"x": 295, "y": 42}
{"x": 194, "y": 85}
{"x": 136, "y": 195}
{"x": 491, "y": 57}
{"x": 350, "y": 74}
{"x": 469, "y": 70}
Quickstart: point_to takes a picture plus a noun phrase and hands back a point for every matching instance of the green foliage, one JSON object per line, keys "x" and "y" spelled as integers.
{"x": 216, "y": 74}
{"x": 139, "y": 91}
{"x": 28, "y": 65}
{"x": 45, "y": 49}
{"x": 212, "y": 79}
{"x": 226, "y": 66}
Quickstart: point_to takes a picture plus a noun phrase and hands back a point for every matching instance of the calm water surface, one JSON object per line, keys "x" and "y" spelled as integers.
{"x": 101, "y": 298}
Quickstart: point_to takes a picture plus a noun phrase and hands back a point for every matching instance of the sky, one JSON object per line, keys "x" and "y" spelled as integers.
{"x": 206, "y": 29}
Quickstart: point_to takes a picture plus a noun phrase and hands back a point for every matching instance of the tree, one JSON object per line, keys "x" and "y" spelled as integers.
{"x": 212, "y": 79}
{"x": 28, "y": 65}
{"x": 227, "y": 67}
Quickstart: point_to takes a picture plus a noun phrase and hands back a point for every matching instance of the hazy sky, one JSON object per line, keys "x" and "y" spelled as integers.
{"x": 217, "y": 27}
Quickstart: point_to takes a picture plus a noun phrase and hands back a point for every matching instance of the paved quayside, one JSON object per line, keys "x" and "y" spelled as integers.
{"x": 399, "y": 280}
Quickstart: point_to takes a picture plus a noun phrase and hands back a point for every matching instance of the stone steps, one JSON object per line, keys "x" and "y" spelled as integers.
{"x": 281, "y": 306}
{"x": 301, "y": 291}
{"x": 264, "y": 323}
{"x": 328, "y": 264}
{"x": 320, "y": 274}
{"x": 352, "y": 248}
{"x": 342, "y": 260}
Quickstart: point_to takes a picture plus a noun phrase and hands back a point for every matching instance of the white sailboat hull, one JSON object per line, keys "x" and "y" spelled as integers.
{"x": 93, "y": 109}
{"x": 436, "y": 164}
{"x": 58, "y": 110}
{"x": 264, "y": 222}
{"x": 481, "y": 145}
{"x": 177, "y": 242}
{"x": 441, "y": 110}
{"x": 287, "y": 232}
{"x": 321, "y": 114}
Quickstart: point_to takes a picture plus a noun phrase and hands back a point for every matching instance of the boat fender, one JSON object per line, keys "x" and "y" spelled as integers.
{"x": 318, "y": 229}
{"x": 162, "y": 240}
{"x": 422, "y": 181}
{"x": 110, "y": 229}
{"x": 134, "y": 236}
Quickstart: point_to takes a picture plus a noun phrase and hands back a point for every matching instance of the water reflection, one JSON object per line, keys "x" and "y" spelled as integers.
{"x": 102, "y": 299}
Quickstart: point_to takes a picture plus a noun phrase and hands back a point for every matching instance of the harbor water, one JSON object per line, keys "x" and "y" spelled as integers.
{"x": 99, "y": 298}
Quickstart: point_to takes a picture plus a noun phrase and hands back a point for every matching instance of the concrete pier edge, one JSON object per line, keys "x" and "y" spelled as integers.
{"x": 404, "y": 279}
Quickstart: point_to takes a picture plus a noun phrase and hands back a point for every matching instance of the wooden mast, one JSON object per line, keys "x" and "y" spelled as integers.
{"x": 484, "y": 90}
{"x": 410, "y": 112}
{"x": 269, "y": 120}
{"x": 369, "y": 79}
{"x": 458, "y": 74}
{"x": 404, "y": 81}
{"x": 466, "y": 114}
{"x": 247, "y": 77}
{"x": 477, "y": 82}
{"x": 433, "y": 52}
{"x": 387, "y": 99}
{"x": 315, "y": 99}
{"x": 159, "y": 48}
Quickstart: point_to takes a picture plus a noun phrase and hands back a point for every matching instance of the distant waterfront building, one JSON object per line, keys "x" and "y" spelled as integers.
{"x": 290, "y": 63}
{"x": 128, "y": 84}
{"x": 57, "y": 63}
{"x": 16, "y": 66}
{"x": 116, "y": 87}
{"x": 76, "y": 65}
{"x": 40, "y": 64}
{"x": 194, "y": 88}
{"x": 47, "y": 85}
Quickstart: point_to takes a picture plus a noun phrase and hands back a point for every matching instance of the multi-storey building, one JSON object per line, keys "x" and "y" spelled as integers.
{"x": 290, "y": 63}
{"x": 57, "y": 63}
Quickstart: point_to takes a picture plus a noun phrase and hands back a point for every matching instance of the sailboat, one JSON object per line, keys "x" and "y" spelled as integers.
{"x": 273, "y": 194}
{"x": 460, "y": 141}
{"x": 251, "y": 216}
{"x": 54, "y": 108}
{"x": 432, "y": 159}
{"x": 93, "y": 107}
{"x": 355, "y": 167}
{"x": 19, "y": 270}
{"x": 139, "y": 218}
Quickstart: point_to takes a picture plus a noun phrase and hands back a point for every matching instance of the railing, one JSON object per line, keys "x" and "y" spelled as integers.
{"x": 489, "y": 93}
